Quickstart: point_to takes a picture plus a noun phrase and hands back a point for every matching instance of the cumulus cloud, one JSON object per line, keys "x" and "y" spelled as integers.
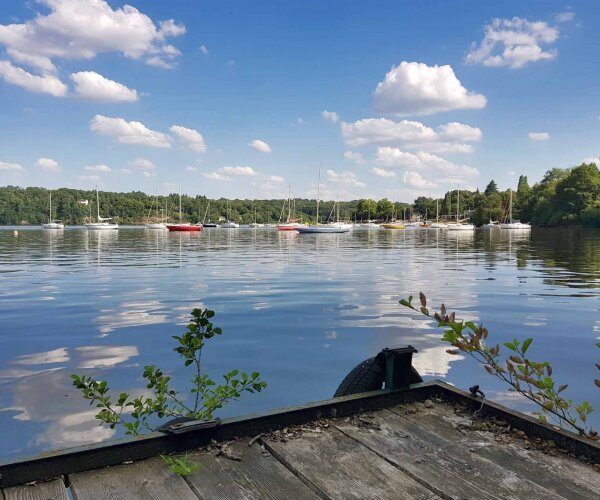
{"x": 381, "y": 172}
{"x": 40, "y": 84}
{"x": 331, "y": 116}
{"x": 141, "y": 164}
{"x": 354, "y": 156}
{"x": 134, "y": 133}
{"x": 47, "y": 165}
{"x": 98, "y": 168}
{"x": 13, "y": 167}
{"x": 261, "y": 146}
{"x": 148, "y": 174}
{"x": 277, "y": 179}
{"x": 564, "y": 17}
{"x": 75, "y": 29}
{"x": 415, "y": 180}
{"x": 449, "y": 138}
{"x": 539, "y": 136}
{"x": 514, "y": 43}
{"x": 395, "y": 158}
{"x": 227, "y": 173}
{"x": 190, "y": 168}
{"x": 592, "y": 159}
{"x": 125, "y": 171}
{"x": 344, "y": 177}
{"x": 413, "y": 88}
{"x": 189, "y": 138}
{"x": 93, "y": 86}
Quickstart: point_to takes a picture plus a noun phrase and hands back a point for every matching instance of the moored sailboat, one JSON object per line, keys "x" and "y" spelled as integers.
{"x": 183, "y": 226}
{"x": 461, "y": 224}
{"x": 290, "y": 224}
{"x": 101, "y": 223}
{"x": 52, "y": 223}
{"x": 513, "y": 224}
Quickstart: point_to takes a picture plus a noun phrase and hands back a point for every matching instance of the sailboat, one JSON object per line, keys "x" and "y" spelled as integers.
{"x": 290, "y": 224}
{"x": 52, "y": 224}
{"x": 229, "y": 224}
{"x": 101, "y": 223}
{"x": 513, "y": 224}
{"x": 158, "y": 221}
{"x": 394, "y": 223}
{"x": 322, "y": 228}
{"x": 437, "y": 224}
{"x": 459, "y": 226}
{"x": 183, "y": 226}
{"x": 208, "y": 224}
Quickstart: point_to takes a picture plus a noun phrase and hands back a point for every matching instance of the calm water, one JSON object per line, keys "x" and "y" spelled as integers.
{"x": 302, "y": 310}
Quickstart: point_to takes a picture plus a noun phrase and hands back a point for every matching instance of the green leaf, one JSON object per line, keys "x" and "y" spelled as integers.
{"x": 526, "y": 344}
{"x": 510, "y": 345}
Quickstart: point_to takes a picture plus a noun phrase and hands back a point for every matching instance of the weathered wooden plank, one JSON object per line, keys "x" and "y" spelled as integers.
{"x": 145, "y": 479}
{"x": 560, "y": 474}
{"x": 449, "y": 470}
{"x": 341, "y": 467}
{"x": 54, "y": 489}
{"x": 257, "y": 476}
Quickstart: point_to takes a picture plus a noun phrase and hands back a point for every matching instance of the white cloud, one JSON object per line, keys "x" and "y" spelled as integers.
{"x": 93, "y": 86}
{"x": 47, "y": 165}
{"x": 44, "y": 84}
{"x": 261, "y": 146}
{"x": 331, "y": 116}
{"x": 354, "y": 156}
{"x": 142, "y": 164}
{"x": 421, "y": 160}
{"x": 125, "y": 132}
{"x": 448, "y": 138}
{"x": 76, "y": 29}
{"x": 240, "y": 171}
{"x": 564, "y": 17}
{"x": 344, "y": 177}
{"x": 413, "y": 88}
{"x": 381, "y": 172}
{"x": 98, "y": 168}
{"x": 148, "y": 174}
{"x": 592, "y": 159}
{"x": 415, "y": 180}
{"x": 539, "y": 136}
{"x": 277, "y": 179}
{"x": 189, "y": 138}
{"x": 190, "y": 168}
{"x": 204, "y": 49}
{"x": 513, "y": 43}
{"x": 90, "y": 178}
{"x": 216, "y": 176}
{"x": 14, "y": 167}
{"x": 125, "y": 171}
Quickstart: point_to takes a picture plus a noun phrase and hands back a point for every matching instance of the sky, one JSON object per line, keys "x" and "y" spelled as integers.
{"x": 243, "y": 99}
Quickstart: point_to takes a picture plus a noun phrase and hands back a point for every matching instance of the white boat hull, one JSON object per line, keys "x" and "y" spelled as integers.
{"x": 436, "y": 225}
{"x": 155, "y": 225}
{"x": 460, "y": 227}
{"x": 323, "y": 229}
{"x": 53, "y": 225}
{"x": 515, "y": 225}
{"x": 230, "y": 225}
{"x": 100, "y": 226}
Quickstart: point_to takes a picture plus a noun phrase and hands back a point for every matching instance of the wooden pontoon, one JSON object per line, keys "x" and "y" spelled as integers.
{"x": 427, "y": 440}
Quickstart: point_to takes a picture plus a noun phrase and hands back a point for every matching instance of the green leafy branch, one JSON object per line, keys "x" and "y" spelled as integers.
{"x": 530, "y": 378}
{"x": 136, "y": 413}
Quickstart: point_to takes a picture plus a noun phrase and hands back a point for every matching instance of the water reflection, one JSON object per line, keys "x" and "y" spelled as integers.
{"x": 302, "y": 310}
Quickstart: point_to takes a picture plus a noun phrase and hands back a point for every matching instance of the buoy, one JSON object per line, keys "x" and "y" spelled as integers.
{"x": 16, "y": 233}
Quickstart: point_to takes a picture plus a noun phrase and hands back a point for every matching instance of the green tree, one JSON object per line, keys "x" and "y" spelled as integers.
{"x": 491, "y": 188}
{"x": 385, "y": 209}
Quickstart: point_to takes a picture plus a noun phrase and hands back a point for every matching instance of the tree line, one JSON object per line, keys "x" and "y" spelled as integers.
{"x": 562, "y": 197}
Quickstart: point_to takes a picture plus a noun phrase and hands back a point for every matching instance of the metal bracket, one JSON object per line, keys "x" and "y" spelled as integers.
{"x": 190, "y": 425}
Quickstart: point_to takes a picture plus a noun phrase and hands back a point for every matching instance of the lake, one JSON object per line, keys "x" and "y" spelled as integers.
{"x": 302, "y": 310}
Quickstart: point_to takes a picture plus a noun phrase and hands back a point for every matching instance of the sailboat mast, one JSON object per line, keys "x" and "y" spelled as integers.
{"x": 437, "y": 210}
{"x": 180, "y": 214}
{"x": 457, "y": 203}
{"x": 510, "y": 206}
{"x": 50, "y": 211}
{"x": 318, "y": 194}
{"x": 97, "y": 204}
{"x": 289, "y": 203}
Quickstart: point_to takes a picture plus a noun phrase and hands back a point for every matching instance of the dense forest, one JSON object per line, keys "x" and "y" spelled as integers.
{"x": 563, "y": 196}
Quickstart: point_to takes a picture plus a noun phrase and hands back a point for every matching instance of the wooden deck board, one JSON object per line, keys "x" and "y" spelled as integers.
{"x": 257, "y": 476}
{"x": 54, "y": 489}
{"x": 342, "y": 468}
{"x": 145, "y": 479}
{"x": 451, "y": 471}
{"x": 559, "y": 474}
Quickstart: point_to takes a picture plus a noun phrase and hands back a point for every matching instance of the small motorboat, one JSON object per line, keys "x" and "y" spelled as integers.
{"x": 323, "y": 228}
{"x": 230, "y": 225}
{"x": 393, "y": 225}
{"x": 210, "y": 224}
{"x": 184, "y": 227}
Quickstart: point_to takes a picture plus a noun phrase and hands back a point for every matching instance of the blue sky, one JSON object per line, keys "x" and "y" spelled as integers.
{"x": 421, "y": 97}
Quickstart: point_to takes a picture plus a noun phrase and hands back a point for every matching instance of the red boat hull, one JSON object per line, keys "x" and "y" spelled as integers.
{"x": 176, "y": 227}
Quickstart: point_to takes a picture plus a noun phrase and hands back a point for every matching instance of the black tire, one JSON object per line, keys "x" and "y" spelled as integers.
{"x": 369, "y": 376}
